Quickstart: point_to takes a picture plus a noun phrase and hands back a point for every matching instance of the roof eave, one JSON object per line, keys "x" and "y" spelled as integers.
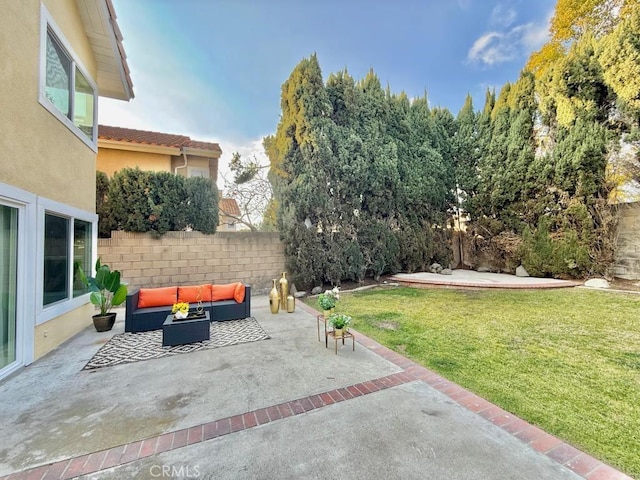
{"x": 201, "y": 152}
{"x": 137, "y": 147}
{"x": 105, "y": 38}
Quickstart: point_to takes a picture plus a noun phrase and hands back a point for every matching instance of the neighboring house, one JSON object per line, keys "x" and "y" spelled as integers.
{"x": 57, "y": 57}
{"x": 228, "y": 214}
{"x": 163, "y": 152}
{"x": 154, "y": 151}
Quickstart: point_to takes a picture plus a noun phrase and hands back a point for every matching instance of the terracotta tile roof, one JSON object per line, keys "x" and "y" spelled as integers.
{"x": 229, "y": 206}
{"x": 146, "y": 137}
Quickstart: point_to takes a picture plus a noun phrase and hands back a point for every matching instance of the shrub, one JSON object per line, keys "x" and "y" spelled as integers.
{"x": 158, "y": 202}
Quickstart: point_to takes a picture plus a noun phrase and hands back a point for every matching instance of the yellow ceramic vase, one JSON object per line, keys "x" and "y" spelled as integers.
{"x": 284, "y": 290}
{"x": 291, "y": 304}
{"x": 274, "y": 298}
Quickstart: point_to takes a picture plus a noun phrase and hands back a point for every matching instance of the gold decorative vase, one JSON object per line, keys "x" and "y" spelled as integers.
{"x": 284, "y": 290}
{"x": 291, "y": 304}
{"x": 274, "y": 298}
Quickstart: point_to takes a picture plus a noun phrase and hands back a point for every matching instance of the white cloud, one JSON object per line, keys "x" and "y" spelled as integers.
{"x": 502, "y": 46}
{"x": 502, "y": 16}
{"x": 491, "y": 48}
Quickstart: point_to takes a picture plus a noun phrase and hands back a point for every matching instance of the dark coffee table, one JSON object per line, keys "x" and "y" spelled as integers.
{"x": 179, "y": 332}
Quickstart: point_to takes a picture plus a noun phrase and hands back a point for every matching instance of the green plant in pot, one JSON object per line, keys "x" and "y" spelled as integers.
{"x": 106, "y": 292}
{"x": 340, "y": 323}
{"x": 327, "y": 300}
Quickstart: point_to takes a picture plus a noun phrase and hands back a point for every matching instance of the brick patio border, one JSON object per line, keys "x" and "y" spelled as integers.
{"x": 554, "y": 448}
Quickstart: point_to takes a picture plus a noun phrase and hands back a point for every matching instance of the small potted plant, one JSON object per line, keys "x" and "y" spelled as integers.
{"x": 327, "y": 300}
{"x": 340, "y": 323}
{"x": 180, "y": 310}
{"x": 106, "y": 292}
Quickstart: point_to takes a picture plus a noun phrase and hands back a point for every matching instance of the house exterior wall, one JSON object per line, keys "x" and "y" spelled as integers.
{"x": 188, "y": 258}
{"x": 41, "y": 154}
{"x": 44, "y": 166}
{"x": 111, "y": 160}
{"x": 226, "y": 223}
{"x": 51, "y": 334}
{"x": 192, "y": 161}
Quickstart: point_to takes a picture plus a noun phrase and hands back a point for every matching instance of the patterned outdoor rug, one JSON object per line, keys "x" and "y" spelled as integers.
{"x": 134, "y": 347}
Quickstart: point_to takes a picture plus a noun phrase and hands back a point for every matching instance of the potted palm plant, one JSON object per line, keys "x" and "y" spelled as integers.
{"x": 106, "y": 292}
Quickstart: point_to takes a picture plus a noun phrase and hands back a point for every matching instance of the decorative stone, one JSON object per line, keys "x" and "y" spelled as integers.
{"x": 435, "y": 268}
{"x": 522, "y": 272}
{"x": 300, "y": 294}
{"x": 316, "y": 291}
{"x": 446, "y": 271}
{"x": 597, "y": 283}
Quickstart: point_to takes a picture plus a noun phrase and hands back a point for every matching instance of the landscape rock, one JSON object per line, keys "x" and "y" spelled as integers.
{"x": 435, "y": 268}
{"x": 522, "y": 272}
{"x": 316, "y": 291}
{"x": 300, "y": 294}
{"x": 597, "y": 283}
{"x": 446, "y": 271}
{"x": 484, "y": 269}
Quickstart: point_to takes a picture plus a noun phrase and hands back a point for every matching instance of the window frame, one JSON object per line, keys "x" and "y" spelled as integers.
{"x": 191, "y": 171}
{"x": 45, "y": 313}
{"x": 47, "y": 25}
{"x": 25, "y": 202}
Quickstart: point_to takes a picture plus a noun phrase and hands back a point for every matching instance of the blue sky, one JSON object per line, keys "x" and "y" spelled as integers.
{"x": 213, "y": 69}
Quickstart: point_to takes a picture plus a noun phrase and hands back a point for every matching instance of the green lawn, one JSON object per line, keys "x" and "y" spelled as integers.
{"x": 567, "y": 360}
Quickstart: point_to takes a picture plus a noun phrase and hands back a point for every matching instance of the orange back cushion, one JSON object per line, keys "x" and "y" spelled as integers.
{"x": 157, "y": 297}
{"x": 238, "y": 294}
{"x": 223, "y": 292}
{"x": 189, "y": 294}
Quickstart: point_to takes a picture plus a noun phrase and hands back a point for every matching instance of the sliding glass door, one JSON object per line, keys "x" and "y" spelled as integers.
{"x": 8, "y": 283}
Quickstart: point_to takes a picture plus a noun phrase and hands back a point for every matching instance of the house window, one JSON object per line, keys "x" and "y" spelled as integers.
{"x": 198, "y": 172}
{"x": 65, "y": 88}
{"x": 56, "y": 259}
{"x": 61, "y": 278}
{"x": 58, "y": 76}
{"x": 81, "y": 255}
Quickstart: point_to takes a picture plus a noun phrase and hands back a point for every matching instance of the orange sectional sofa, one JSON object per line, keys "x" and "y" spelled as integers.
{"x": 147, "y": 308}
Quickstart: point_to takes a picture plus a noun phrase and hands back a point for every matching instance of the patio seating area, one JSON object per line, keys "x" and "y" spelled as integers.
{"x": 278, "y": 408}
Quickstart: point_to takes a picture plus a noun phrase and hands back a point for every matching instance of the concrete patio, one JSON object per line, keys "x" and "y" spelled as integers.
{"x": 279, "y": 408}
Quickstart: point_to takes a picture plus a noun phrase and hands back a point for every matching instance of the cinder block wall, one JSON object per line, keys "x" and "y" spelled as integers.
{"x": 627, "y": 263}
{"x": 190, "y": 258}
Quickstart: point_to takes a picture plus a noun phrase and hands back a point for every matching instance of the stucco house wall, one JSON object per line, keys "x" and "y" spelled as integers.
{"x": 120, "y": 147}
{"x": 46, "y": 167}
{"x": 111, "y": 160}
{"x": 40, "y": 155}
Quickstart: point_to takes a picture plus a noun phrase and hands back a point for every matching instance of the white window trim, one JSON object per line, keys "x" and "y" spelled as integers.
{"x": 46, "y": 313}
{"x": 46, "y": 21}
{"x": 25, "y": 202}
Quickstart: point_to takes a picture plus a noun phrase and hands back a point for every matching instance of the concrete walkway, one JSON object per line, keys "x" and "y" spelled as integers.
{"x": 286, "y": 407}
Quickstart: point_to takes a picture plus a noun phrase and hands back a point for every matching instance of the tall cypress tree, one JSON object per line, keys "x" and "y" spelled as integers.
{"x": 466, "y": 152}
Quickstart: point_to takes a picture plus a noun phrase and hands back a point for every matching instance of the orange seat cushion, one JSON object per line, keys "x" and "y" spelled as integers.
{"x": 223, "y": 292}
{"x": 157, "y": 297}
{"x": 189, "y": 294}
{"x": 238, "y": 294}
